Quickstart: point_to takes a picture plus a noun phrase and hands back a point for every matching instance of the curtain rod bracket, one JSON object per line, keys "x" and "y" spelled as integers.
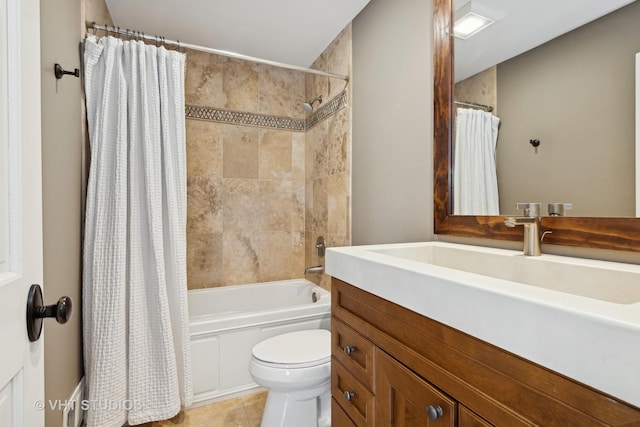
{"x": 60, "y": 72}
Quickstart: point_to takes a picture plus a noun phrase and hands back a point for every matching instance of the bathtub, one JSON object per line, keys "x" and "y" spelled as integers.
{"x": 226, "y": 322}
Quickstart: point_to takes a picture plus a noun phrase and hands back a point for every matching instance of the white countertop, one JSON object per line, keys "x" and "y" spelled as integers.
{"x": 580, "y": 318}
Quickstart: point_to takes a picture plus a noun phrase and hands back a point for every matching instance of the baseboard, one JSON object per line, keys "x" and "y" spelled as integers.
{"x": 73, "y": 415}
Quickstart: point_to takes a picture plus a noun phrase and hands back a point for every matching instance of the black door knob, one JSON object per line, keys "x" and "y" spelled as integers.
{"x": 36, "y": 311}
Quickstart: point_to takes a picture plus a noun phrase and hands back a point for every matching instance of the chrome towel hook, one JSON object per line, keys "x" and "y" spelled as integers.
{"x": 61, "y": 72}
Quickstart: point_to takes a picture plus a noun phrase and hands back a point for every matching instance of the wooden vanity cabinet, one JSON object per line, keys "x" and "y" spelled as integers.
{"x": 394, "y": 367}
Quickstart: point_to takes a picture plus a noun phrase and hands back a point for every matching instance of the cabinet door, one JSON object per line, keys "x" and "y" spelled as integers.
{"x": 467, "y": 418}
{"x": 403, "y": 399}
{"x": 340, "y": 418}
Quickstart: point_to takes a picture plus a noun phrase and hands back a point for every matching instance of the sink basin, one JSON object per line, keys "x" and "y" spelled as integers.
{"x": 578, "y": 317}
{"x": 613, "y": 282}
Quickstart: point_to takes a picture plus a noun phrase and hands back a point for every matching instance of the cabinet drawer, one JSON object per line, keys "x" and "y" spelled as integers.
{"x": 467, "y": 418}
{"x": 354, "y": 351}
{"x": 339, "y": 418}
{"x": 353, "y": 396}
{"x": 409, "y": 400}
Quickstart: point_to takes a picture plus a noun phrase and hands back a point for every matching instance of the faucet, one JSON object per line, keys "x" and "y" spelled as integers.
{"x": 531, "y": 223}
{"x": 314, "y": 270}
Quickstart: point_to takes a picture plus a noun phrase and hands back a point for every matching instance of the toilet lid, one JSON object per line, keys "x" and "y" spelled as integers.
{"x": 293, "y": 348}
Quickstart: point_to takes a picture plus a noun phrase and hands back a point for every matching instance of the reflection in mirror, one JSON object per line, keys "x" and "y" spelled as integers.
{"x": 614, "y": 233}
{"x": 565, "y": 108}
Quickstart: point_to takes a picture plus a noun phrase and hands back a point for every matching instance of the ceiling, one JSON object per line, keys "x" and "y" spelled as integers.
{"x": 295, "y": 32}
{"x": 520, "y": 26}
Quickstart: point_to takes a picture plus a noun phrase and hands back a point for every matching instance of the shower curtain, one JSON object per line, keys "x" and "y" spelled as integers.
{"x": 475, "y": 180}
{"x": 135, "y": 319}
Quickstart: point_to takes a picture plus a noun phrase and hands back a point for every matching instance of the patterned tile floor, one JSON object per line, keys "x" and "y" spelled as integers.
{"x": 244, "y": 411}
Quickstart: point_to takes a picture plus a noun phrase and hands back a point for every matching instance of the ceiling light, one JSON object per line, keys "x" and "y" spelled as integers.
{"x": 468, "y": 23}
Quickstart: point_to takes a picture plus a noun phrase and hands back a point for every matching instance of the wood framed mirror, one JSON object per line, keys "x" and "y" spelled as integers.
{"x": 617, "y": 233}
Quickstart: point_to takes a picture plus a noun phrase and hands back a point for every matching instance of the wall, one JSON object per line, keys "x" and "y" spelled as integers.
{"x": 480, "y": 88}
{"x": 328, "y": 156}
{"x": 393, "y": 122}
{"x": 256, "y": 195}
{"x": 62, "y": 211}
{"x": 245, "y": 183}
{"x": 576, "y": 95}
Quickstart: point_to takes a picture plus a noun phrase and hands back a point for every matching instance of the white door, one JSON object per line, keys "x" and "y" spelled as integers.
{"x": 21, "y": 362}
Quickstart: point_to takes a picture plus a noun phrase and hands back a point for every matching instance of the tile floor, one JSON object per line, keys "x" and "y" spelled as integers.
{"x": 244, "y": 411}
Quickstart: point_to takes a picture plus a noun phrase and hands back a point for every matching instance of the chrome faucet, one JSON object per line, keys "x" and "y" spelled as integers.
{"x": 531, "y": 223}
{"x": 318, "y": 269}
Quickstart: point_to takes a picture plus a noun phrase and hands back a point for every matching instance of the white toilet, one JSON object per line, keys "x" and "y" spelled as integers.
{"x": 296, "y": 369}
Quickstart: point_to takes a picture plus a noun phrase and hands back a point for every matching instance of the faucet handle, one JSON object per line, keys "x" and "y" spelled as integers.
{"x": 558, "y": 209}
{"x": 530, "y": 209}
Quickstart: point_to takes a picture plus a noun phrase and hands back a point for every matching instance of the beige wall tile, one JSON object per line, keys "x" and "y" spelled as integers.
{"x": 339, "y": 131}
{"x": 337, "y": 205}
{"x": 275, "y": 205}
{"x": 318, "y": 139}
{"x": 204, "y": 79}
{"x": 280, "y": 92}
{"x": 275, "y": 154}
{"x": 240, "y": 204}
{"x": 204, "y": 148}
{"x": 240, "y": 85}
{"x": 297, "y": 205}
{"x": 204, "y": 205}
{"x": 261, "y": 197}
{"x": 240, "y": 151}
{"x": 204, "y": 260}
{"x": 276, "y": 256}
{"x": 320, "y": 198}
{"x": 240, "y": 257}
{"x": 296, "y": 268}
{"x": 297, "y": 156}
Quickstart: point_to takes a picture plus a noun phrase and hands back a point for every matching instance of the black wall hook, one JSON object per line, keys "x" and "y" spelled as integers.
{"x": 61, "y": 72}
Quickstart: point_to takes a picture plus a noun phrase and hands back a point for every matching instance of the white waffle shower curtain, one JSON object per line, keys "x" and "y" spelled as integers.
{"x": 135, "y": 319}
{"x": 475, "y": 179}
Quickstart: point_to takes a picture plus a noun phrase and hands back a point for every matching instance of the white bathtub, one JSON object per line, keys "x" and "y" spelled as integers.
{"x": 226, "y": 322}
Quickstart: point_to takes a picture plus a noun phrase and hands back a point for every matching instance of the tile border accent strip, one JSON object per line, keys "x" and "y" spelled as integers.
{"x": 265, "y": 120}
{"x": 338, "y": 102}
{"x": 240, "y": 118}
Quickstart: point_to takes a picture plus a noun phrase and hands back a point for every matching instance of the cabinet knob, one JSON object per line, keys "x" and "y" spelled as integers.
{"x": 349, "y": 350}
{"x": 349, "y": 395}
{"x": 434, "y": 412}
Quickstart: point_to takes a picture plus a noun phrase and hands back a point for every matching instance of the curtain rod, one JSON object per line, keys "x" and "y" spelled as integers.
{"x": 140, "y": 35}
{"x": 489, "y": 108}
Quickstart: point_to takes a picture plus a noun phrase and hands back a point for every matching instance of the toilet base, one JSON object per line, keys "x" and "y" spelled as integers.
{"x": 309, "y": 408}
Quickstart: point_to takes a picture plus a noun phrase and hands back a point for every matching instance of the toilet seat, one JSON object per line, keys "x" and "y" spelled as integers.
{"x": 295, "y": 350}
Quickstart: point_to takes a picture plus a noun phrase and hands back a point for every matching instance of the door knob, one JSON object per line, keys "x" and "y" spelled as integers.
{"x": 36, "y": 311}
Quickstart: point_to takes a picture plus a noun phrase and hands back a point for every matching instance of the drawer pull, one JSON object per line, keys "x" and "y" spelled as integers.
{"x": 349, "y": 350}
{"x": 349, "y": 395}
{"x": 434, "y": 412}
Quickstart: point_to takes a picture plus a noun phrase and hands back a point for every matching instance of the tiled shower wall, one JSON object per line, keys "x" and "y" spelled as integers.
{"x": 247, "y": 181}
{"x": 328, "y": 158}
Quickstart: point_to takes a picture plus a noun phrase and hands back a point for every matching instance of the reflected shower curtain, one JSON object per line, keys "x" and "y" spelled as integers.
{"x": 135, "y": 319}
{"x": 475, "y": 180}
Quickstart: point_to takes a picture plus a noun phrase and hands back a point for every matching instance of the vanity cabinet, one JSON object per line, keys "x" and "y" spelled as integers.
{"x": 394, "y": 367}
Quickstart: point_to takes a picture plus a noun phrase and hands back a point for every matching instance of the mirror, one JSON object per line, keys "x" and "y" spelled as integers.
{"x": 594, "y": 232}
{"x": 564, "y": 93}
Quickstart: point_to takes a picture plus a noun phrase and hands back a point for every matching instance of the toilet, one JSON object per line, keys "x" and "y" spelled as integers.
{"x": 296, "y": 369}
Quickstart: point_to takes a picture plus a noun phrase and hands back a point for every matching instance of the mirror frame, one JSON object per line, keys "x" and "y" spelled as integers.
{"x": 588, "y": 232}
